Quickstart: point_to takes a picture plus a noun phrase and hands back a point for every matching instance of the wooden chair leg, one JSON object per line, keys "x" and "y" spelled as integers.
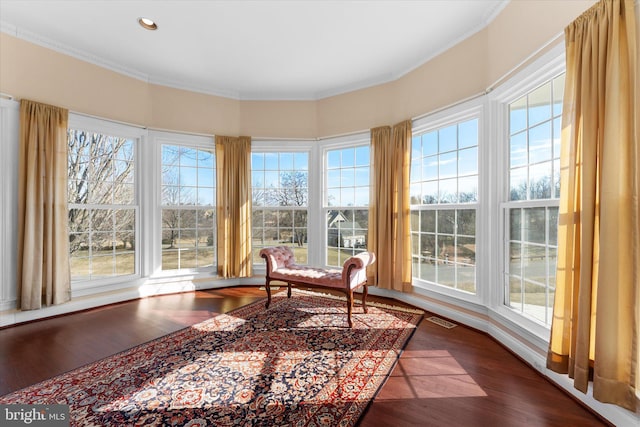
{"x": 288, "y": 290}
{"x": 349, "y": 307}
{"x": 268, "y": 288}
{"x": 365, "y": 292}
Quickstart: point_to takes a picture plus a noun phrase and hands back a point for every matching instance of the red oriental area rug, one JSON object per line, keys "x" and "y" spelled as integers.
{"x": 295, "y": 364}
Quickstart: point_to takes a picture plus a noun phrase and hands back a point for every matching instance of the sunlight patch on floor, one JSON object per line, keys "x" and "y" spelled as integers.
{"x": 429, "y": 374}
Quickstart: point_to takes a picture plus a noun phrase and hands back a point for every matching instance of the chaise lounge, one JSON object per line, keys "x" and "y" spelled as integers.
{"x": 281, "y": 266}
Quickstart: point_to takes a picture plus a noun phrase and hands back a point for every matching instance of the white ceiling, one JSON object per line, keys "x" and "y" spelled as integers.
{"x": 252, "y": 49}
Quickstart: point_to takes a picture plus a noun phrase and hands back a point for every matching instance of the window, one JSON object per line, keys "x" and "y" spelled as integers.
{"x": 102, "y": 204}
{"x": 444, "y": 198}
{"x": 347, "y": 201}
{"x": 531, "y": 212}
{"x": 280, "y": 197}
{"x": 188, "y": 207}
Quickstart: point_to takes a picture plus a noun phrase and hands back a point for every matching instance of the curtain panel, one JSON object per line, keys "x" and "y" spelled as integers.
{"x": 595, "y": 326}
{"x": 233, "y": 200}
{"x": 43, "y": 272}
{"x": 389, "y": 211}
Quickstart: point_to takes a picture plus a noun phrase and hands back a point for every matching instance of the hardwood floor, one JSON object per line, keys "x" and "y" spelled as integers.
{"x": 445, "y": 377}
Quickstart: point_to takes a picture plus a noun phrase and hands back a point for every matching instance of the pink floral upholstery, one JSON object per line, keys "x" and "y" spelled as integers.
{"x": 281, "y": 266}
{"x": 278, "y": 257}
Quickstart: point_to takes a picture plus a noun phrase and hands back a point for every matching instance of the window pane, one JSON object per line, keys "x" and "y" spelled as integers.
{"x": 540, "y": 181}
{"x": 348, "y": 157}
{"x": 286, "y": 161}
{"x": 346, "y": 234}
{"x": 445, "y": 171}
{"x": 468, "y": 161}
{"x": 518, "y": 153}
{"x": 535, "y": 301}
{"x": 427, "y": 221}
{"x": 468, "y": 189}
{"x": 362, "y": 176}
{"x": 430, "y": 144}
{"x": 362, "y": 156}
{"x": 430, "y": 168}
{"x": 468, "y": 133}
{"x": 518, "y": 181}
{"x": 467, "y": 222}
{"x": 430, "y": 192}
{"x": 285, "y": 193}
{"x": 187, "y": 230}
{"x": 447, "y": 165}
{"x": 257, "y": 161}
{"x": 270, "y": 161}
{"x": 446, "y": 221}
{"x": 540, "y": 143}
{"x": 448, "y": 190}
{"x": 447, "y": 139}
{"x": 101, "y": 173}
{"x": 515, "y": 223}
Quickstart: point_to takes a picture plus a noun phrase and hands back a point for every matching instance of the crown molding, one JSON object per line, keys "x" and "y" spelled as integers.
{"x": 82, "y": 55}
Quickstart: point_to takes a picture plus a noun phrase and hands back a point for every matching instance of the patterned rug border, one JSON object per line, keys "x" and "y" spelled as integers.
{"x": 279, "y": 294}
{"x": 369, "y": 303}
{"x": 279, "y": 298}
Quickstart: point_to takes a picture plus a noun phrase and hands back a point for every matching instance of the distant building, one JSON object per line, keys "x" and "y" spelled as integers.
{"x": 343, "y": 233}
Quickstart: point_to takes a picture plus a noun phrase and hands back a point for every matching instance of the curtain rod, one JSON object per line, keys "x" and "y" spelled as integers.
{"x": 557, "y": 38}
{"x": 500, "y": 80}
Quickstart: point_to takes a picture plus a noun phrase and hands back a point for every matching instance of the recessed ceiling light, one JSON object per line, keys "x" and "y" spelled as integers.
{"x": 147, "y": 24}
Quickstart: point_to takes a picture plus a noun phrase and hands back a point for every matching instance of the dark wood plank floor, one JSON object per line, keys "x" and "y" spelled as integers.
{"x": 445, "y": 377}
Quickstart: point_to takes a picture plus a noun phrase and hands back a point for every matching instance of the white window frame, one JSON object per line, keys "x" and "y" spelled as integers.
{"x": 82, "y": 122}
{"x": 151, "y": 199}
{"x": 9, "y": 128}
{"x": 472, "y": 109}
{"x": 153, "y": 202}
{"x": 297, "y": 146}
{"x": 336, "y": 143}
{"x": 540, "y": 71}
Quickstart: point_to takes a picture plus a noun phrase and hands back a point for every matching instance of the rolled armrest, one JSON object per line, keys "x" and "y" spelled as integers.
{"x": 355, "y": 268}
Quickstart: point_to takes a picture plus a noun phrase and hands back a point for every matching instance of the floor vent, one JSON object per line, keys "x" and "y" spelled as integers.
{"x": 441, "y": 322}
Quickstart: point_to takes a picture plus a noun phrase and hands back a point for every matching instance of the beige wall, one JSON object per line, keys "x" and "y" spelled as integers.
{"x": 33, "y": 72}
{"x": 522, "y": 28}
{"x": 525, "y": 26}
{"x": 175, "y": 109}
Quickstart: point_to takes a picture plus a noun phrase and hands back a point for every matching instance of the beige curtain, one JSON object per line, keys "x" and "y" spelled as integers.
{"x": 233, "y": 187}
{"x": 43, "y": 274}
{"x": 594, "y": 334}
{"x": 389, "y": 227}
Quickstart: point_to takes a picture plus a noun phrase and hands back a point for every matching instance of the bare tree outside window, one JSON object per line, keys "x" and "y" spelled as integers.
{"x": 102, "y": 210}
{"x": 188, "y": 207}
{"x": 280, "y": 202}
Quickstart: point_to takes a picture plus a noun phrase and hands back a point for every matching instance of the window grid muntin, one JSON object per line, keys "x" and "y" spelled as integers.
{"x": 547, "y": 254}
{"x": 524, "y": 301}
{"x": 432, "y": 151}
{"x": 522, "y": 132}
{"x": 431, "y": 265}
{"x": 101, "y": 167}
{"x": 347, "y": 191}
{"x": 271, "y": 171}
{"x": 449, "y": 143}
{"x": 188, "y": 209}
{"x": 347, "y": 177}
